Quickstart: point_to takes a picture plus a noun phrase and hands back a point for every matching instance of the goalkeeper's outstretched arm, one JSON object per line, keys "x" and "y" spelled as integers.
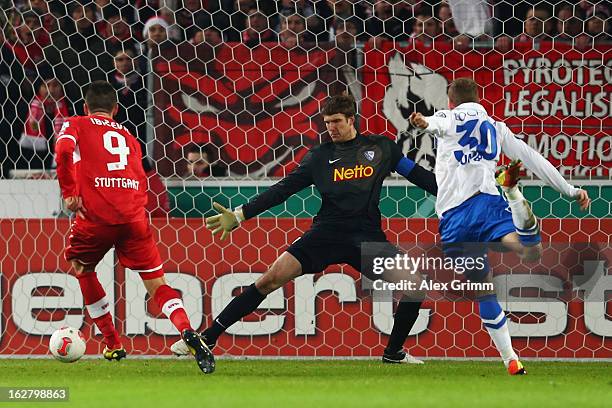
{"x": 297, "y": 180}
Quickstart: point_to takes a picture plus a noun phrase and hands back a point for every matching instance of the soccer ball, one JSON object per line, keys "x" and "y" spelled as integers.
{"x": 67, "y": 344}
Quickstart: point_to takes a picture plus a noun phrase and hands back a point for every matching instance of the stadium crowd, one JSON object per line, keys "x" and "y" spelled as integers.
{"x": 50, "y": 50}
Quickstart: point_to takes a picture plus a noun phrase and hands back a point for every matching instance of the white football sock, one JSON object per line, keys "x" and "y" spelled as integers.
{"x": 522, "y": 216}
{"x": 503, "y": 343}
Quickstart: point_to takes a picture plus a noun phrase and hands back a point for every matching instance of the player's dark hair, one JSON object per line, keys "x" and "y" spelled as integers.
{"x": 101, "y": 97}
{"x": 463, "y": 90}
{"x": 344, "y": 104}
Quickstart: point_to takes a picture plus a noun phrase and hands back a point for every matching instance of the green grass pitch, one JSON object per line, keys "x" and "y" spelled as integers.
{"x": 279, "y": 383}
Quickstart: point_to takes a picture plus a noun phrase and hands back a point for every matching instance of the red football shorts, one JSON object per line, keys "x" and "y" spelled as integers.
{"x": 134, "y": 245}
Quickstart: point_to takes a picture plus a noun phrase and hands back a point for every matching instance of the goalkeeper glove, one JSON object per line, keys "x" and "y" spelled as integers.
{"x": 225, "y": 221}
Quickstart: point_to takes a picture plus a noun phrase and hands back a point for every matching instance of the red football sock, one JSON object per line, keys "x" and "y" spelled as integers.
{"x": 107, "y": 327}
{"x": 169, "y": 301}
{"x": 98, "y": 308}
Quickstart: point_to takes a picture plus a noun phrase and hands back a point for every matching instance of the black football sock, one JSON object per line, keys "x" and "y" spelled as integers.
{"x": 239, "y": 307}
{"x": 405, "y": 316}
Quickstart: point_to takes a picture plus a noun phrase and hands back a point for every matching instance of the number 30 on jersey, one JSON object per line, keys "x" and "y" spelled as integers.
{"x": 485, "y": 138}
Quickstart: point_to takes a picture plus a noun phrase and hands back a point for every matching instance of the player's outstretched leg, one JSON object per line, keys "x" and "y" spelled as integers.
{"x": 241, "y": 306}
{"x": 286, "y": 268}
{"x": 170, "y": 303}
{"x": 405, "y": 316}
{"x": 98, "y": 309}
{"x": 524, "y": 221}
{"x": 495, "y": 322}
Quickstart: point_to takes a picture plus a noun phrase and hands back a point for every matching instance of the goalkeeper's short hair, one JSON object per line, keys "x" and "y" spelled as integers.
{"x": 344, "y": 104}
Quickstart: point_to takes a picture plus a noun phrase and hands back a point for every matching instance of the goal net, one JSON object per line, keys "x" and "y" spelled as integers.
{"x": 225, "y": 99}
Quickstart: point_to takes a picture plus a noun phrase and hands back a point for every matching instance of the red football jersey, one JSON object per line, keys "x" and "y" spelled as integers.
{"x": 99, "y": 160}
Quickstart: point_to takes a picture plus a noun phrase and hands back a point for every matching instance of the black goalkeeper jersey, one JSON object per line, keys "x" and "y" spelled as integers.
{"x": 349, "y": 178}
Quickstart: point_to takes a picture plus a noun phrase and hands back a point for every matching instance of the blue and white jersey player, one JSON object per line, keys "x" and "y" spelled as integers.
{"x": 469, "y": 206}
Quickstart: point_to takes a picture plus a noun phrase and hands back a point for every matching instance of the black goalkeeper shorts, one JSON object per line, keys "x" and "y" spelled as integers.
{"x": 317, "y": 249}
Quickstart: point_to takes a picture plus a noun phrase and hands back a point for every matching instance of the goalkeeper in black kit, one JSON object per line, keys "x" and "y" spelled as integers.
{"x": 348, "y": 173}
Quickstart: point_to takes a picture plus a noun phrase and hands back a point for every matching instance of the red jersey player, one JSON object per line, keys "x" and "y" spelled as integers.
{"x": 102, "y": 180}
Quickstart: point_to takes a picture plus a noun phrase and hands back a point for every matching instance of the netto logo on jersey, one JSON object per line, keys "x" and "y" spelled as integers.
{"x": 352, "y": 173}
